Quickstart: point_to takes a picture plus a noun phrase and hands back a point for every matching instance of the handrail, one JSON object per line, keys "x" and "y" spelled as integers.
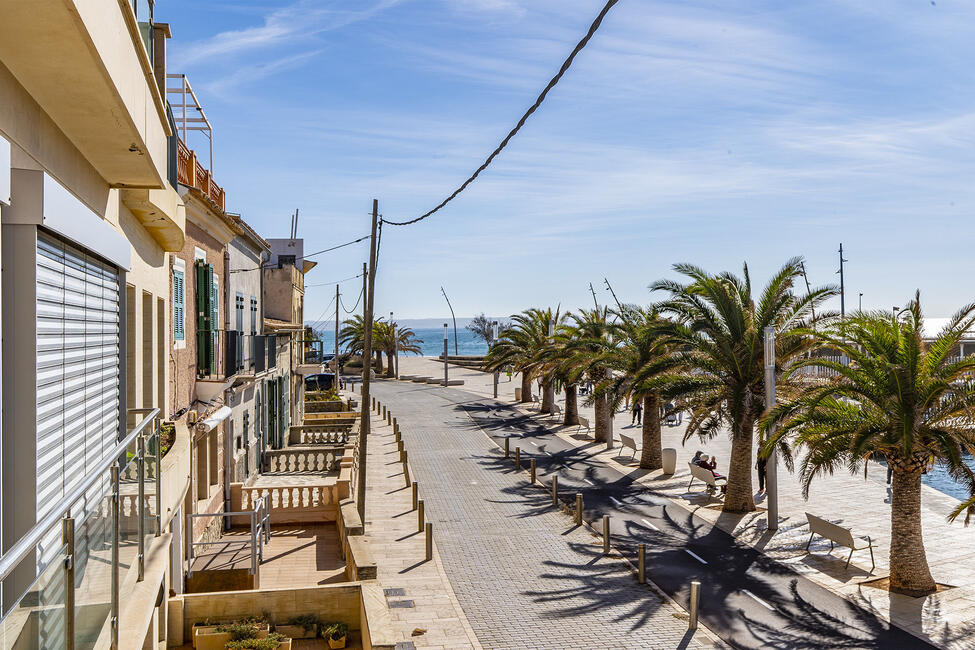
{"x": 11, "y": 559}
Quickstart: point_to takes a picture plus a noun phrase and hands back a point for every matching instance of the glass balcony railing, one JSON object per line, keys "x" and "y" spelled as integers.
{"x": 60, "y": 582}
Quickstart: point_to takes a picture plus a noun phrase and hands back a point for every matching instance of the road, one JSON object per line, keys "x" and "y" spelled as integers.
{"x": 748, "y": 599}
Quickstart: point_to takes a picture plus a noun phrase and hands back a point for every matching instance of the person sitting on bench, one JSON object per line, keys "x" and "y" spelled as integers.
{"x": 709, "y": 463}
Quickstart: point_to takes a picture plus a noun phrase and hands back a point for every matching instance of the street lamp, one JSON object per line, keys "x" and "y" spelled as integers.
{"x": 445, "y": 355}
{"x": 771, "y": 475}
{"x": 860, "y": 306}
{"x": 494, "y": 339}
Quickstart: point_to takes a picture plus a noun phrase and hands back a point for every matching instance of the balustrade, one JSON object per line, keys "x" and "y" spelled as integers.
{"x": 298, "y": 460}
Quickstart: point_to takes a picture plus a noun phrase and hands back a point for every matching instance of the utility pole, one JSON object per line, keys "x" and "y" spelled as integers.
{"x": 455, "y": 321}
{"x": 771, "y": 473}
{"x": 805, "y": 277}
{"x": 494, "y": 338}
{"x": 610, "y": 287}
{"x": 368, "y": 299}
{"x": 593, "y": 291}
{"x": 842, "y": 286}
{"x": 335, "y": 359}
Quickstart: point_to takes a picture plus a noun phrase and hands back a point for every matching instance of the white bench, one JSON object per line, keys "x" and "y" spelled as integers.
{"x": 556, "y": 411}
{"x": 584, "y": 422}
{"x": 839, "y": 535}
{"x": 535, "y": 402}
{"x": 704, "y": 475}
{"x": 629, "y": 443}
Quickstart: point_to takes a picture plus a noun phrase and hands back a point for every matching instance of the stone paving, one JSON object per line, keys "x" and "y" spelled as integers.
{"x": 525, "y": 576}
{"x": 946, "y": 618}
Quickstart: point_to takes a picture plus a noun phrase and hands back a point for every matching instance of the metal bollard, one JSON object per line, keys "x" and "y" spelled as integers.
{"x": 578, "y": 508}
{"x": 518, "y": 458}
{"x": 416, "y": 493}
{"x": 429, "y": 542}
{"x": 641, "y": 563}
{"x": 507, "y": 447}
{"x": 605, "y": 534}
{"x": 419, "y": 515}
{"x": 695, "y": 604}
{"x": 531, "y": 469}
{"x": 555, "y": 491}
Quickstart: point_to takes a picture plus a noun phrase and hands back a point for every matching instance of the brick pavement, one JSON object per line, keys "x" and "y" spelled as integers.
{"x": 524, "y": 575}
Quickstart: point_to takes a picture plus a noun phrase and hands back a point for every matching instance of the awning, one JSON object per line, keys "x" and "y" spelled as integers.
{"x": 216, "y": 418}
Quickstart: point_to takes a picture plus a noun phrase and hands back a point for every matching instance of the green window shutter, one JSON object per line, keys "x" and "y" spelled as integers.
{"x": 205, "y": 322}
{"x": 179, "y": 307}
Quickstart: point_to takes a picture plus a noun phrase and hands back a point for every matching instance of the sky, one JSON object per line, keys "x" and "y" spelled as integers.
{"x": 715, "y": 133}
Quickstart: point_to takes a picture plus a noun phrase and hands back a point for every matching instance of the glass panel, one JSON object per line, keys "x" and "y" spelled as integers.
{"x": 93, "y": 565}
{"x": 152, "y": 444}
{"x": 129, "y": 513}
{"x": 37, "y": 618}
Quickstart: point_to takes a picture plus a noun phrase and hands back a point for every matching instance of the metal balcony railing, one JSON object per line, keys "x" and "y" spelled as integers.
{"x": 80, "y": 547}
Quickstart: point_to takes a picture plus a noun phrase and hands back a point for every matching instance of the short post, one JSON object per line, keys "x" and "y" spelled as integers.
{"x": 605, "y": 534}
{"x": 578, "y": 508}
{"x": 406, "y": 472}
{"x": 395, "y": 426}
{"x": 373, "y": 403}
{"x": 518, "y": 458}
{"x": 399, "y": 446}
{"x": 531, "y": 470}
{"x": 429, "y": 541}
{"x": 419, "y": 515}
{"x": 384, "y": 411}
{"x": 555, "y": 491}
{"x": 694, "y": 605}
{"x": 507, "y": 447}
{"x": 402, "y": 456}
{"x": 641, "y": 563}
{"x": 416, "y": 493}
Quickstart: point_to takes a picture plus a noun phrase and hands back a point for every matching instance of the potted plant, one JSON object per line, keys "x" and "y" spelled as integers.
{"x": 216, "y": 637}
{"x": 272, "y": 641}
{"x": 300, "y": 627}
{"x": 335, "y": 634}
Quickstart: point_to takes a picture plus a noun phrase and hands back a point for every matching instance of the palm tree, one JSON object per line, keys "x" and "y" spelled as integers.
{"x": 518, "y": 346}
{"x": 556, "y": 358}
{"x": 352, "y": 336}
{"x": 641, "y": 356}
{"x": 899, "y": 399}
{"x": 718, "y": 330}
{"x": 398, "y": 339}
{"x": 588, "y": 340}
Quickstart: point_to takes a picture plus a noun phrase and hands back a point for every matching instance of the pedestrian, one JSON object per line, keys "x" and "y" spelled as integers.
{"x": 761, "y": 465}
{"x": 637, "y": 412}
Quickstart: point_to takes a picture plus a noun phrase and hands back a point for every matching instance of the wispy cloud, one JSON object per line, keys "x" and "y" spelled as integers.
{"x": 223, "y": 87}
{"x": 297, "y": 21}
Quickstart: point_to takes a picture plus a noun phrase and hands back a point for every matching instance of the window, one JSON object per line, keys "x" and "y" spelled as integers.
{"x": 239, "y": 312}
{"x": 253, "y": 315}
{"x": 179, "y": 305}
{"x": 206, "y": 323}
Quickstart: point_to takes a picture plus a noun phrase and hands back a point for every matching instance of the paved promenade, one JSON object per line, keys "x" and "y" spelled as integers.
{"x": 945, "y": 618}
{"x": 525, "y": 576}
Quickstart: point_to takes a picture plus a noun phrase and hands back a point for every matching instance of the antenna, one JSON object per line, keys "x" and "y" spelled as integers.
{"x": 294, "y": 234}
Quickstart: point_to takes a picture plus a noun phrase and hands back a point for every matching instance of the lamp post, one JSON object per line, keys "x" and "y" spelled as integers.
{"x": 549, "y": 397}
{"x": 860, "y": 304}
{"x": 771, "y": 475}
{"x": 494, "y": 338}
{"x": 445, "y": 355}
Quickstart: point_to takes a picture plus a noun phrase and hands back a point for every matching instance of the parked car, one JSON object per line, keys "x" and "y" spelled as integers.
{"x": 320, "y": 382}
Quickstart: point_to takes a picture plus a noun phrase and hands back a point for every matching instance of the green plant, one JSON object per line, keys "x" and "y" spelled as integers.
{"x": 240, "y": 630}
{"x": 270, "y": 642}
{"x": 335, "y": 631}
{"x": 306, "y": 621}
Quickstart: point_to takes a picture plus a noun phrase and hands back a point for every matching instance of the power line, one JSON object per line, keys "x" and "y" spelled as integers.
{"x": 538, "y": 102}
{"x": 322, "y": 284}
{"x": 351, "y": 311}
{"x": 271, "y": 266}
{"x": 321, "y": 317}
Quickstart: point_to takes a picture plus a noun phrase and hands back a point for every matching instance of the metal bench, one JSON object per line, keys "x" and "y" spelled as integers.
{"x": 712, "y": 482}
{"x": 556, "y": 411}
{"x": 629, "y": 443}
{"x": 535, "y": 402}
{"x": 837, "y": 534}
{"x": 584, "y": 422}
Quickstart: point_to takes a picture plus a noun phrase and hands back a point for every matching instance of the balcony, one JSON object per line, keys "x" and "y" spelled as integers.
{"x": 191, "y": 173}
{"x": 226, "y": 357}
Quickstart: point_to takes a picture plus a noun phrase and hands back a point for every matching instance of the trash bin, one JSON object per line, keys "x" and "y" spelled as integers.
{"x": 518, "y": 394}
{"x": 668, "y": 457}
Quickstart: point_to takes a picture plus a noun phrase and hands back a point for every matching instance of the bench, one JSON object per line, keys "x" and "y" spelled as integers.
{"x": 837, "y": 534}
{"x": 584, "y": 422}
{"x": 711, "y": 482}
{"x": 535, "y": 402}
{"x": 629, "y": 443}
{"x": 556, "y": 411}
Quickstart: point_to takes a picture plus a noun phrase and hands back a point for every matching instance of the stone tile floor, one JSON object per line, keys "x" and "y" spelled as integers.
{"x": 946, "y": 618}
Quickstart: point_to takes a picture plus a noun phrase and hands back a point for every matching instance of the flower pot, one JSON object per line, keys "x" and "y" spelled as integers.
{"x": 296, "y": 631}
{"x": 211, "y": 640}
{"x": 336, "y": 643}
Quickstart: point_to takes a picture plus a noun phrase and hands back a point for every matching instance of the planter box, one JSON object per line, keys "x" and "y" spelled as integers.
{"x": 336, "y": 643}
{"x": 206, "y": 637}
{"x": 296, "y": 631}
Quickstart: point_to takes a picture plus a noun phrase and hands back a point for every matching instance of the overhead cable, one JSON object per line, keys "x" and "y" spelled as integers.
{"x": 538, "y": 102}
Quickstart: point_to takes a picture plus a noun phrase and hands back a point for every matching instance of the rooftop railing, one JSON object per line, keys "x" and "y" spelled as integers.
{"x": 60, "y": 581}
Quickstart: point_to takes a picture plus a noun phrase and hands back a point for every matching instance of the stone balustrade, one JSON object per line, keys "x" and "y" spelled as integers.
{"x": 313, "y": 503}
{"x": 295, "y": 460}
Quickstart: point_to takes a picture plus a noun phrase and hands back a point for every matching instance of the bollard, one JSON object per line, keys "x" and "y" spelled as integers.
{"x": 507, "y": 447}
{"x": 419, "y": 515}
{"x": 694, "y": 605}
{"x": 416, "y": 493}
{"x": 555, "y": 491}
{"x": 578, "y": 508}
{"x": 531, "y": 470}
{"x": 389, "y": 418}
{"x": 395, "y": 426}
{"x": 429, "y": 542}
{"x": 641, "y": 563}
{"x": 384, "y": 411}
{"x": 373, "y": 403}
{"x": 399, "y": 446}
{"x": 402, "y": 456}
{"x": 406, "y": 472}
{"x": 518, "y": 458}
{"x": 605, "y": 534}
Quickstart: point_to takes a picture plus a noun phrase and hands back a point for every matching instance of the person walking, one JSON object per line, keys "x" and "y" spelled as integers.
{"x": 637, "y": 412}
{"x": 761, "y": 465}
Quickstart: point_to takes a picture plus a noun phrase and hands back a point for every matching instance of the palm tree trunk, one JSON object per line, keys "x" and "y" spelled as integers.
{"x": 548, "y": 395}
{"x": 650, "y": 457}
{"x": 379, "y": 362}
{"x": 909, "y": 572}
{"x": 390, "y": 368}
{"x": 739, "y": 496}
{"x": 526, "y": 387}
{"x": 601, "y": 405}
{"x": 571, "y": 415}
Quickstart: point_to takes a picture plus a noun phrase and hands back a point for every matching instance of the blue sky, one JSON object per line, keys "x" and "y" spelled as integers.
{"x": 704, "y": 132}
